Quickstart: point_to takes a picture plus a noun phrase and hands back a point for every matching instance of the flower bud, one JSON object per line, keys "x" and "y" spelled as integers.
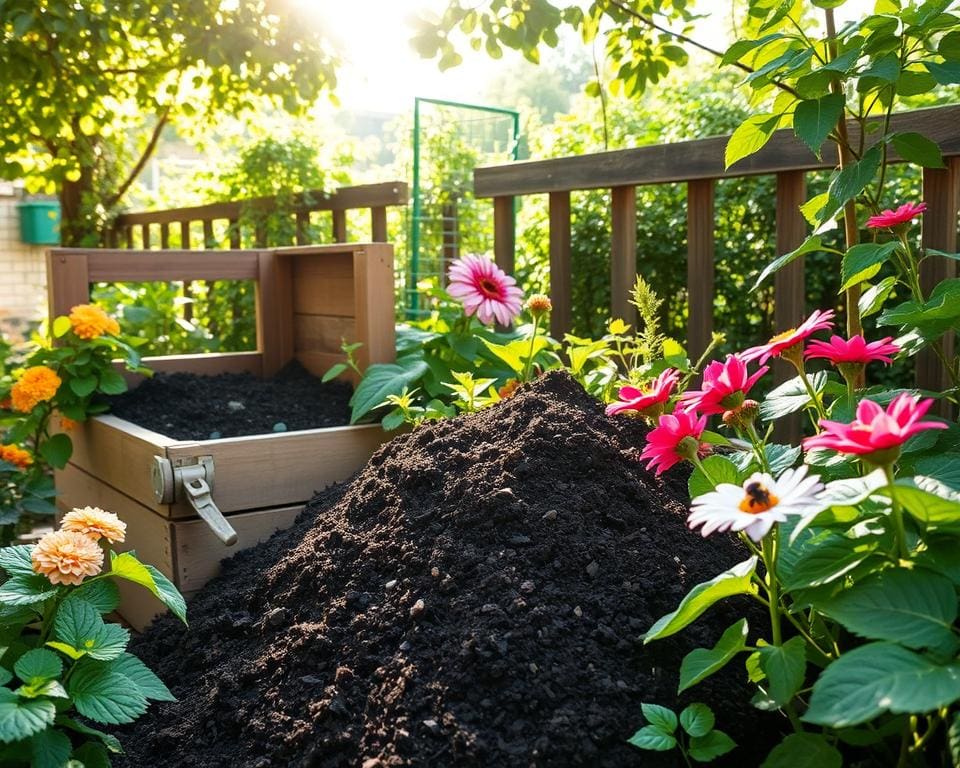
{"x": 688, "y": 447}
{"x": 539, "y": 304}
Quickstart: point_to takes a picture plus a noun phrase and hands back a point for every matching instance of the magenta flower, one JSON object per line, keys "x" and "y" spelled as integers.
{"x": 875, "y": 430}
{"x": 902, "y": 215}
{"x": 656, "y": 393}
{"x": 676, "y": 438}
{"x": 818, "y": 321}
{"x": 724, "y": 386}
{"x": 485, "y": 289}
{"x": 855, "y": 350}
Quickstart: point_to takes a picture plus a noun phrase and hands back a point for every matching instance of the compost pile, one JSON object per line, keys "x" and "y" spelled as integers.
{"x": 474, "y": 597}
{"x": 187, "y": 406}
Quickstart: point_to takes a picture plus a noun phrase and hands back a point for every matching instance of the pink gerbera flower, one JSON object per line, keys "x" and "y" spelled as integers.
{"x": 656, "y": 393}
{"x": 724, "y": 386}
{"x": 676, "y": 438}
{"x": 855, "y": 350}
{"x": 818, "y": 321}
{"x": 902, "y": 215}
{"x": 485, "y": 290}
{"x": 875, "y": 431}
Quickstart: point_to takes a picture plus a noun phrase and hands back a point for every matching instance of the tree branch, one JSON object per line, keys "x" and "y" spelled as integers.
{"x": 141, "y": 163}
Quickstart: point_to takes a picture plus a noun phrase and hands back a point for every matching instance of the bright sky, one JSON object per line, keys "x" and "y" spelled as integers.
{"x": 383, "y": 73}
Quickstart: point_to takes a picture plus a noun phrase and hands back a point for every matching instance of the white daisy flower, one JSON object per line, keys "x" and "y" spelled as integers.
{"x": 755, "y": 506}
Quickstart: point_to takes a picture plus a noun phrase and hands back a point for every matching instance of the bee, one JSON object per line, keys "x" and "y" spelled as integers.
{"x": 759, "y": 496}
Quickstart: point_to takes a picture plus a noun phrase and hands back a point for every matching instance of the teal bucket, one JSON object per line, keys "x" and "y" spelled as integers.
{"x": 40, "y": 222}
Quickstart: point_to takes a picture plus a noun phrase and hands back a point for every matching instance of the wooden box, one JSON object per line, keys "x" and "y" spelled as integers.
{"x": 308, "y": 298}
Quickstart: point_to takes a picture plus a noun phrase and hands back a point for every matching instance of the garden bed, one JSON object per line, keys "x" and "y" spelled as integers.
{"x": 476, "y": 596}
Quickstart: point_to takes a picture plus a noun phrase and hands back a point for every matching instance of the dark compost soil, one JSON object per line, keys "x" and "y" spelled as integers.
{"x": 474, "y": 597}
{"x": 186, "y": 406}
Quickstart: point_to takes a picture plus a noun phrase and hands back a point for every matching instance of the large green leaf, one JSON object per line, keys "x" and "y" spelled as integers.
{"x": 872, "y": 299}
{"x": 80, "y": 626}
{"x": 720, "y": 469}
{"x": 791, "y": 396}
{"x": 660, "y": 717}
{"x": 17, "y": 559}
{"x": 813, "y": 119}
{"x": 877, "y": 678}
{"x": 383, "y": 379}
{"x": 916, "y": 148}
{"x": 139, "y": 674}
{"x": 803, "y": 750}
{"x": 21, "y": 718}
{"x": 709, "y": 747}
{"x": 26, "y": 589}
{"x": 126, "y": 566}
{"x": 913, "y": 607}
{"x": 735, "y": 581}
{"x": 784, "y": 666}
{"x": 862, "y": 262}
{"x": 37, "y": 665}
{"x": 850, "y": 182}
{"x": 102, "y": 594}
{"x": 812, "y": 244}
{"x": 700, "y": 663}
{"x": 57, "y": 450}
{"x": 697, "y": 719}
{"x": 934, "y": 513}
{"x": 651, "y": 737}
{"x": 105, "y": 696}
{"x": 49, "y": 749}
{"x": 821, "y": 559}
{"x": 749, "y": 137}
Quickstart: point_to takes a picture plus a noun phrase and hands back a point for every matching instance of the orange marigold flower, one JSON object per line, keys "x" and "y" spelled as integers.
{"x": 508, "y": 389}
{"x": 13, "y": 454}
{"x": 67, "y": 557}
{"x": 95, "y": 523}
{"x": 67, "y": 424}
{"x": 89, "y": 322}
{"x": 38, "y": 384}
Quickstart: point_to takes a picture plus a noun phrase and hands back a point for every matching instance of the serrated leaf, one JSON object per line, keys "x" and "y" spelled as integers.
{"x": 704, "y": 749}
{"x": 750, "y": 137}
{"x": 659, "y": 717}
{"x": 861, "y": 262}
{"x": 784, "y": 667}
{"x": 697, "y": 719}
{"x": 79, "y": 625}
{"x": 918, "y": 149}
{"x": 803, "y": 750}
{"x": 105, "y": 696}
{"x": 49, "y": 749}
{"x": 150, "y": 685}
{"x": 791, "y": 396}
{"x": 102, "y": 595}
{"x": 37, "y": 665}
{"x": 17, "y": 559}
{"x": 652, "y": 738}
{"x": 700, "y": 663}
{"x": 873, "y": 299}
{"x": 735, "y": 581}
{"x": 21, "y": 718}
{"x": 23, "y": 589}
{"x": 813, "y": 119}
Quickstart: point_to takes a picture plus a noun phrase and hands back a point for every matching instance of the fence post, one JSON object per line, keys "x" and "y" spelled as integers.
{"x": 378, "y": 224}
{"x": 504, "y": 236}
{"x": 700, "y": 254}
{"x": 185, "y": 235}
{"x": 623, "y": 252}
{"x": 339, "y": 226}
{"x": 561, "y": 317}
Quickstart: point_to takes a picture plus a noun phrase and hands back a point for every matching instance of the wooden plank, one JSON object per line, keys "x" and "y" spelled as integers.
{"x": 504, "y": 234}
{"x": 941, "y": 191}
{"x": 274, "y": 311}
{"x": 700, "y": 159}
{"x": 339, "y": 226}
{"x": 122, "y": 265}
{"x": 260, "y": 234}
{"x": 322, "y": 333}
{"x": 145, "y": 236}
{"x": 185, "y": 235}
{"x": 318, "y": 363}
{"x": 561, "y": 318}
{"x": 208, "y": 364}
{"x": 700, "y": 255}
{"x": 129, "y": 237}
{"x": 281, "y": 468}
{"x": 373, "y": 292}
{"x": 378, "y": 223}
{"x": 68, "y": 280}
{"x": 165, "y": 236}
{"x": 198, "y": 552}
{"x": 208, "y": 240}
{"x": 303, "y": 226}
{"x": 623, "y": 252}
{"x": 235, "y": 234}
{"x": 323, "y": 283}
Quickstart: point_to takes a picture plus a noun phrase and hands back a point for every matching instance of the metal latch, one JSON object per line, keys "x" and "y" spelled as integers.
{"x": 193, "y": 483}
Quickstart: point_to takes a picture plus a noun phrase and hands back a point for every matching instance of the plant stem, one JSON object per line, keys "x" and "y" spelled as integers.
{"x": 769, "y": 545}
{"x": 533, "y": 341}
{"x": 695, "y": 460}
{"x": 899, "y": 530}
{"x": 812, "y": 392}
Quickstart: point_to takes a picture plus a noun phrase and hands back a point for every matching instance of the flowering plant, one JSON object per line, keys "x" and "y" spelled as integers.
{"x": 45, "y": 395}
{"x": 59, "y": 658}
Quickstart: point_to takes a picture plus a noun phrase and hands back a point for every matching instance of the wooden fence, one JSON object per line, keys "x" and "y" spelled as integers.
{"x": 137, "y": 230}
{"x": 700, "y": 164}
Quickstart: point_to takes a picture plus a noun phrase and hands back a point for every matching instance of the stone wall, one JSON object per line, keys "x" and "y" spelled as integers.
{"x": 23, "y": 295}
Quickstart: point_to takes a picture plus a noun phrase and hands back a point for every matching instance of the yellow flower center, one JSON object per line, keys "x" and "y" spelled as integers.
{"x": 758, "y": 499}
{"x": 781, "y": 336}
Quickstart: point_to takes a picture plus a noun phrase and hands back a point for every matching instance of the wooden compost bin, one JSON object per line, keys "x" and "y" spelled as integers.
{"x": 308, "y": 299}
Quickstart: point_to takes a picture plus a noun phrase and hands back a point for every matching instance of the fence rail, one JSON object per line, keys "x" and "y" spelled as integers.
{"x": 700, "y": 164}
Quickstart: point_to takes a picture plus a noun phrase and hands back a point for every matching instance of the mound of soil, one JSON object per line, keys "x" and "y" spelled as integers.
{"x": 474, "y": 597}
{"x": 186, "y": 406}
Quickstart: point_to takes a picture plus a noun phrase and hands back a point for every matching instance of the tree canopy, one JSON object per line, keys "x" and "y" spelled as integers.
{"x": 88, "y": 87}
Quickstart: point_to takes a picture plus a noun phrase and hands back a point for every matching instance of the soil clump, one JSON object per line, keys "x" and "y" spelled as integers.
{"x": 475, "y": 596}
{"x": 187, "y": 406}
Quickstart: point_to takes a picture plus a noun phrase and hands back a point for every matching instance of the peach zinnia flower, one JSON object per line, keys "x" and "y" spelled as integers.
{"x": 67, "y": 557}
{"x": 857, "y": 350}
{"x": 890, "y": 219}
{"x": 13, "y": 454}
{"x": 484, "y": 289}
{"x": 655, "y": 394}
{"x": 90, "y": 322}
{"x": 725, "y": 385}
{"x": 38, "y": 384}
{"x": 95, "y": 523}
{"x": 818, "y": 321}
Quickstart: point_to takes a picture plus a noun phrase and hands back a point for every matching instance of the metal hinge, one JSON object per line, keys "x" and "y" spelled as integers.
{"x": 192, "y": 483}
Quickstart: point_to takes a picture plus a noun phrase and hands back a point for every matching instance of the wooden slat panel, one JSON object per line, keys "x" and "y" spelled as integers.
{"x": 378, "y": 224}
{"x": 700, "y": 159}
{"x": 322, "y": 333}
{"x": 68, "y": 280}
{"x": 118, "y": 266}
{"x": 165, "y": 236}
{"x": 318, "y": 363}
{"x": 623, "y": 252}
{"x": 323, "y": 284}
{"x": 208, "y": 239}
{"x": 274, "y": 313}
{"x": 205, "y": 364}
{"x": 185, "y": 235}
{"x": 129, "y": 237}
{"x": 235, "y": 234}
{"x": 560, "y": 266}
{"x": 373, "y": 289}
{"x": 503, "y": 233}
{"x": 941, "y": 191}
{"x": 700, "y": 268}
{"x": 339, "y": 226}
{"x": 145, "y": 236}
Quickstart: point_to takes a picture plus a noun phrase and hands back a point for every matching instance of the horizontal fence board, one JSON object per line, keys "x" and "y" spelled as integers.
{"x": 105, "y": 266}
{"x": 692, "y": 160}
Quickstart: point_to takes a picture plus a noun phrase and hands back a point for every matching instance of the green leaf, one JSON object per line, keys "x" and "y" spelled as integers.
{"x": 749, "y": 137}
{"x": 660, "y": 717}
{"x": 813, "y": 119}
{"x": 21, "y": 589}
{"x": 861, "y": 262}
{"x": 821, "y": 560}
{"x": 913, "y": 607}
{"x": 784, "y": 666}
{"x": 918, "y": 149}
{"x": 700, "y": 663}
{"x": 953, "y": 739}
{"x": 697, "y": 719}
{"x": 383, "y": 379}
{"x": 803, "y": 750}
{"x": 810, "y": 245}
{"x": 49, "y": 749}
{"x": 38, "y": 665}
{"x": 66, "y": 649}
{"x": 934, "y": 513}
{"x": 650, "y": 737}
{"x": 735, "y": 581}
{"x": 92, "y": 755}
{"x": 109, "y": 741}
{"x": 333, "y": 372}
{"x": 720, "y": 469}
{"x": 83, "y": 386}
{"x": 56, "y": 450}
{"x": 136, "y": 671}
{"x": 169, "y": 595}
{"x": 946, "y": 73}
{"x": 704, "y": 749}
{"x": 868, "y": 681}
{"x": 102, "y": 595}
{"x": 111, "y": 382}
{"x": 791, "y": 396}
{"x": 61, "y": 326}
{"x": 851, "y": 181}
{"x": 21, "y": 718}
{"x": 515, "y": 353}
{"x": 79, "y": 625}
{"x": 872, "y": 300}
{"x": 742, "y": 47}
{"x": 105, "y": 696}
{"x": 17, "y": 559}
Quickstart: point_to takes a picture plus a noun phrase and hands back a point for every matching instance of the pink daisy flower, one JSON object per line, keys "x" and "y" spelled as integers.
{"x": 656, "y": 393}
{"x": 902, "y": 215}
{"x": 818, "y": 321}
{"x": 855, "y": 350}
{"x": 676, "y": 438}
{"x": 874, "y": 430}
{"x": 724, "y": 386}
{"x": 485, "y": 290}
